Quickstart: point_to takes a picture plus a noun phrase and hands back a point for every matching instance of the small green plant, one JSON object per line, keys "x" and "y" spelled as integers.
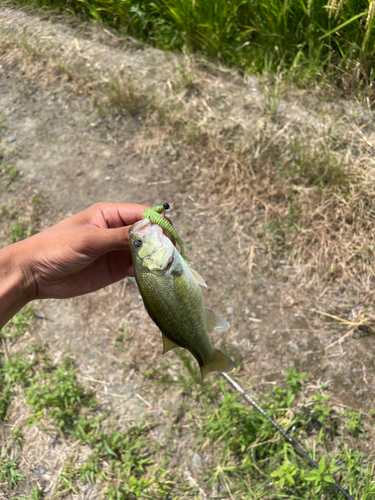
{"x": 284, "y": 397}
{"x": 321, "y": 476}
{"x": 124, "y": 455}
{"x": 17, "y": 436}
{"x": 123, "y": 96}
{"x": 9, "y": 174}
{"x": 320, "y": 410}
{"x": 185, "y": 71}
{"x": 3, "y": 124}
{"x": 122, "y": 337}
{"x": 284, "y": 475}
{"x": 235, "y": 427}
{"x": 18, "y": 325}
{"x": 359, "y": 471}
{"x": 272, "y": 94}
{"x": 36, "y": 494}
{"x": 190, "y": 368}
{"x": 6, "y": 395}
{"x": 9, "y": 471}
{"x": 10, "y": 333}
{"x": 355, "y": 422}
{"x": 37, "y": 199}
{"x": 28, "y": 47}
{"x": 294, "y": 379}
{"x": 18, "y": 231}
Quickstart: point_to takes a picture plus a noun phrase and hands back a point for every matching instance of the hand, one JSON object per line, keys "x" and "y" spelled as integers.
{"x": 82, "y": 253}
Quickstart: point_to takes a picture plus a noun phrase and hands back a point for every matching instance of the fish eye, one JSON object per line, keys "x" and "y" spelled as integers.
{"x": 166, "y": 206}
{"x": 137, "y": 243}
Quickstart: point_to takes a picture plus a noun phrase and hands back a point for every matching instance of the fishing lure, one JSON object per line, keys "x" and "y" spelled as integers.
{"x": 155, "y": 216}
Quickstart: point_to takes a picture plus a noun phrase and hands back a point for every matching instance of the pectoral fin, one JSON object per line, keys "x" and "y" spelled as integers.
{"x": 219, "y": 362}
{"x": 215, "y": 323}
{"x": 168, "y": 344}
{"x": 198, "y": 278}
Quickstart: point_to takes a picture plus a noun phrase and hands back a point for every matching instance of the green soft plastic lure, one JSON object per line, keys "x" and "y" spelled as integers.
{"x": 155, "y": 216}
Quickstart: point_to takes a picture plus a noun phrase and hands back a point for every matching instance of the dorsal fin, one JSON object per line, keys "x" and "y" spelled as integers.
{"x": 198, "y": 278}
{"x": 215, "y": 323}
{"x": 168, "y": 344}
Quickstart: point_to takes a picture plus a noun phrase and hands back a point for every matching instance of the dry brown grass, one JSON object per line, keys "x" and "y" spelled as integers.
{"x": 306, "y": 191}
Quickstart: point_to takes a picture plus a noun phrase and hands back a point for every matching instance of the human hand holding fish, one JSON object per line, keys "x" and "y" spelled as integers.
{"x": 80, "y": 254}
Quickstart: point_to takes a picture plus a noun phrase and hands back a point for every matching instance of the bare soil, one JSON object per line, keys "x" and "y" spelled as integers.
{"x": 76, "y": 153}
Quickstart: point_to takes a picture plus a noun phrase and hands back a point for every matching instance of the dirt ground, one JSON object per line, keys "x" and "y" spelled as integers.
{"x": 73, "y": 154}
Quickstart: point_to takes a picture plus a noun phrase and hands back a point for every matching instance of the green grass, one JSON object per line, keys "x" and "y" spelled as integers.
{"x": 10, "y": 472}
{"x": 240, "y": 453}
{"x": 313, "y": 39}
{"x": 18, "y": 325}
{"x": 8, "y": 174}
{"x": 20, "y": 222}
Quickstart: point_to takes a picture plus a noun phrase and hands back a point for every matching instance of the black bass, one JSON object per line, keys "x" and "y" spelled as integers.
{"x": 173, "y": 298}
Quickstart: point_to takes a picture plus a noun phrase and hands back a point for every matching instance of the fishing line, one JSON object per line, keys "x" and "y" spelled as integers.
{"x": 283, "y": 433}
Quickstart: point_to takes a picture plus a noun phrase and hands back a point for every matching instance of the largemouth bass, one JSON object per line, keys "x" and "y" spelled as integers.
{"x": 173, "y": 298}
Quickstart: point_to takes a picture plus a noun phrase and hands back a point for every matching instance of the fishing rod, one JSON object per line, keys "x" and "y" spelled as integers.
{"x": 283, "y": 433}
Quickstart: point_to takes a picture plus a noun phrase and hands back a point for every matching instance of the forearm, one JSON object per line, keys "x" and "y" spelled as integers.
{"x": 14, "y": 285}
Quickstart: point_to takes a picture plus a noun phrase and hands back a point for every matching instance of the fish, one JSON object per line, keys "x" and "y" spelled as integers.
{"x": 172, "y": 296}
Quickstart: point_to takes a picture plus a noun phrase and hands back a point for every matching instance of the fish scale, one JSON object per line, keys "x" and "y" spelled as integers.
{"x": 167, "y": 306}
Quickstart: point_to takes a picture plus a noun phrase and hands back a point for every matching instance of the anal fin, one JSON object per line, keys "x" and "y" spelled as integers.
{"x": 168, "y": 344}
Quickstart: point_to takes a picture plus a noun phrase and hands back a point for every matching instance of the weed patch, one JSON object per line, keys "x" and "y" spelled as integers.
{"x": 55, "y": 394}
{"x": 21, "y": 221}
{"x": 18, "y": 325}
{"x": 323, "y": 38}
{"x": 252, "y": 450}
{"x": 8, "y": 174}
{"x": 123, "y": 96}
{"x": 9, "y": 471}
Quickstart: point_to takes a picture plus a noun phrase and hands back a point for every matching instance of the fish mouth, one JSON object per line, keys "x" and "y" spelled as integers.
{"x": 170, "y": 262}
{"x": 138, "y": 226}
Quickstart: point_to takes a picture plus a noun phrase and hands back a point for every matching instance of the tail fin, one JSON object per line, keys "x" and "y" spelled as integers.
{"x": 219, "y": 362}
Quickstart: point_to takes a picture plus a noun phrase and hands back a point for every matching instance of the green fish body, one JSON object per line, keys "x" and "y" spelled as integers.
{"x": 173, "y": 298}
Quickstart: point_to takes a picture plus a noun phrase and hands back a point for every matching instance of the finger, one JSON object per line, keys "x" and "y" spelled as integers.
{"x": 112, "y": 267}
{"x": 122, "y": 214}
{"x": 107, "y": 214}
{"x": 96, "y": 241}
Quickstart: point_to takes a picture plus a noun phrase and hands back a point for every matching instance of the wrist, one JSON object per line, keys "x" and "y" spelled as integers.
{"x": 16, "y": 284}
